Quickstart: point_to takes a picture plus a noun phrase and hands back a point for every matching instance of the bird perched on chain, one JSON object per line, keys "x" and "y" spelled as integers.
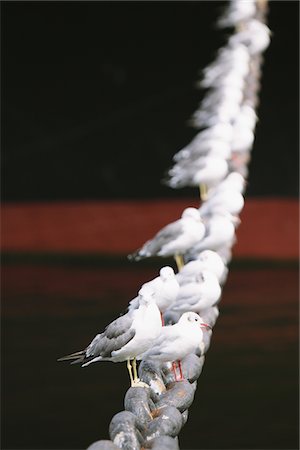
{"x": 206, "y": 173}
{"x": 125, "y": 338}
{"x": 220, "y": 229}
{"x": 229, "y": 68}
{"x": 177, "y": 341}
{"x": 175, "y": 238}
{"x": 206, "y": 260}
{"x": 234, "y": 181}
{"x": 220, "y": 133}
{"x": 236, "y": 12}
{"x": 201, "y": 293}
{"x": 229, "y": 200}
{"x": 165, "y": 289}
{"x": 254, "y": 35}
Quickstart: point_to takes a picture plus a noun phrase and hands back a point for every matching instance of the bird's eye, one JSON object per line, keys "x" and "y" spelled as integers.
{"x": 196, "y": 319}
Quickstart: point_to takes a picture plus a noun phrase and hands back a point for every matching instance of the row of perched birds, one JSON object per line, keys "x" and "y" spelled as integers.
{"x": 173, "y": 314}
{"x": 226, "y": 116}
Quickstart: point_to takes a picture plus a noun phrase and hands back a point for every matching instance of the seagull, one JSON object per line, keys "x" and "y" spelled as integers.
{"x": 234, "y": 180}
{"x": 228, "y": 200}
{"x": 177, "y": 341}
{"x": 255, "y": 36}
{"x": 206, "y": 174}
{"x": 199, "y": 294}
{"x": 125, "y": 338}
{"x": 243, "y": 129}
{"x": 237, "y": 11}
{"x": 228, "y": 69}
{"x": 226, "y": 111}
{"x": 213, "y": 171}
{"x": 165, "y": 288}
{"x": 220, "y": 229}
{"x": 201, "y": 148}
{"x": 221, "y": 93}
{"x": 206, "y": 260}
{"x": 217, "y": 136}
{"x": 175, "y": 238}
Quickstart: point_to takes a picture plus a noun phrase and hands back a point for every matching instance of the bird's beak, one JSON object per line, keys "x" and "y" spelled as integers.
{"x": 205, "y": 325}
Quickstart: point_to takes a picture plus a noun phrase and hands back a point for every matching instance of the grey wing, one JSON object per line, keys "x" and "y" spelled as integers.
{"x": 186, "y": 304}
{"x": 199, "y": 164}
{"x": 163, "y": 345}
{"x": 163, "y": 237}
{"x": 117, "y": 334}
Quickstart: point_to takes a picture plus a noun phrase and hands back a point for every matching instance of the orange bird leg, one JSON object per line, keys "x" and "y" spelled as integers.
{"x": 174, "y": 370}
{"x": 162, "y": 319}
{"x": 180, "y": 370}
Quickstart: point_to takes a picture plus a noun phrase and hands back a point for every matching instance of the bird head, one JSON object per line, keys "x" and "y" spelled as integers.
{"x": 191, "y": 213}
{"x": 166, "y": 273}
{"x": 146, "y": 295}
{"x": 193, "y": 318}
{"x": 212, "y": 261}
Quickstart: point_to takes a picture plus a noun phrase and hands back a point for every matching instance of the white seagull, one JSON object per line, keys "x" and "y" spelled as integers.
{"x": 255, "y": 36}
{"x": 165, "y": 289}
{"x": 125, "y": 338}
{"x": 229, "y": 200}
{"x": 207, "y": 260}
{"x": 238, "y": 11}
{"x": 199, "y": 294}
{"x": 220, "y": 229}
{"x": 234, "y": 180}
{"x": 177, "y": 341}
{"x": 175, "y": 238}
{"x": 219, "y": 131}
{"x": 206, "y": 173}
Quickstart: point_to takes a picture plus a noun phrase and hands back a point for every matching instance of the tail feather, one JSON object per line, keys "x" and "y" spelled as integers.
{"x": 77, "y": 356}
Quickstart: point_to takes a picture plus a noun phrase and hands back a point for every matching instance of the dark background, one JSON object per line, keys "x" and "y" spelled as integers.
{"x": 97, "y": 96}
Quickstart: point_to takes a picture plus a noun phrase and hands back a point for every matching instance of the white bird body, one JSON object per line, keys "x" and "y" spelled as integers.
{"x": 126, "y": 337}
{"x": 238, "y": 11}
{"x": 223, "y": 93}
{"x": 224, "y": 112}
{"x": 214, "y": 170}
{"x": 165, "y": 289}
{"x": 221, "y": 131}
{"x": 200, "y": 294}
{"x": 218, "y": 135}
{"x": 213, "y": 148}
{"x": 243, "y": 140}
{"x": 177, "y": 341}
{"x": 255, "y": 36}
{"x": 234, "y": 181}
{"x": 192, "y": 231}
{"x": 175, "y": 238}
{"x": 207, "y": 260}
{"x": 147, "y": 325}
{"x": 219, "y": 230}
{"x": 228, "y": 56}
{"x": 229, "y": 200}
{"x": 231, "y": 75}
{"x": 217, "y": 146}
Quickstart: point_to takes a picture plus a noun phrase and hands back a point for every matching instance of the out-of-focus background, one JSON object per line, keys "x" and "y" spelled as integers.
{"x": 96, "y": 100}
